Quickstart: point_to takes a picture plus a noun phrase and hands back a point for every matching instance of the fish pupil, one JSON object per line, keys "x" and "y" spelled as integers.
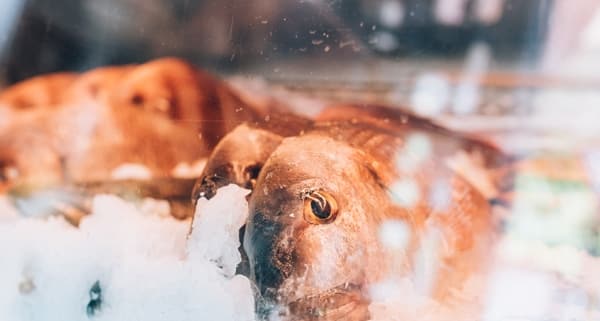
{"x": 321, "y": 209}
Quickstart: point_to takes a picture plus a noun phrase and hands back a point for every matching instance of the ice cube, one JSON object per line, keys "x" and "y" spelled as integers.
{"x": 215, "y": 232}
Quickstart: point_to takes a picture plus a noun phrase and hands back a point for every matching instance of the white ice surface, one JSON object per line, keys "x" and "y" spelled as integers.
{"x": 216, "y": 225}
{"x": 139, "y": 257}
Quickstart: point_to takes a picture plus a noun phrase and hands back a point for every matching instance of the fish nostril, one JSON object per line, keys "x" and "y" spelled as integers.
{"x": 206, "y": 188}
{"x": 137, "y": 100}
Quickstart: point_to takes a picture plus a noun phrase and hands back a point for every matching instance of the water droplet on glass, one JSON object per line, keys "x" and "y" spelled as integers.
{"x": 394, "y": 234}
{"x": 431, "y": 94}
{"x": 384, "y": 41}
{"x": 405, "y": 192}
{"x": 391, "y": 13}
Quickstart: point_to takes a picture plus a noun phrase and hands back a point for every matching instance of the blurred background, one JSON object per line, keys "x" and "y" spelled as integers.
{"x": 523, "y": 72}
{"x": 41, "y": 36}
{"x": 477, "y": 57}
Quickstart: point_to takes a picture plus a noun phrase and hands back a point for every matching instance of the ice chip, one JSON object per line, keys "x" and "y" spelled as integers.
{"x": 518, "y": 293}
{"x": 120, "y": 264}
{"x": 215, "y": 231}
{"x": 7, "y": 211}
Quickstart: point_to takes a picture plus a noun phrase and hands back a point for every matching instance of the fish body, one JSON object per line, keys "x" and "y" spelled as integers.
{"x": 398, "y": 119}
{"x": 37, "y": 92}
{"x": 323, "y": 199}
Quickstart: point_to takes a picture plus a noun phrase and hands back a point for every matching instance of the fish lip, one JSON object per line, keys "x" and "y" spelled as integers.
{"x": 332, "y": 304}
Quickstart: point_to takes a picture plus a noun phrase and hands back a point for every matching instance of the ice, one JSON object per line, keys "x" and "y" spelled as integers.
{"x": 134, "y": 262}
{"x": 7, "y": 210}
{"x": 523, "y": 293}
{"x": 215, "y": 232}
{"x": 124, "y": 262}
{"x": 591, "y": 34}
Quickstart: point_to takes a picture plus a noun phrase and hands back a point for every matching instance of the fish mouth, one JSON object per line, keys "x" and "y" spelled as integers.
{"x": 343, "y": 302}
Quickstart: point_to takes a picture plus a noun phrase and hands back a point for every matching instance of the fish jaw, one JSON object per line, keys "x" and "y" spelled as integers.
{"x": 345, "y": 302}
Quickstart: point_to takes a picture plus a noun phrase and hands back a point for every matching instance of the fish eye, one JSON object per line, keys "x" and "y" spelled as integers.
{"x": 319, "y": 207}
{"x": 137, "y": 100}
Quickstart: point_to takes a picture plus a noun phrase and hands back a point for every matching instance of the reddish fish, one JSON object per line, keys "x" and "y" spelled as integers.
{"x": 313, "y": 236}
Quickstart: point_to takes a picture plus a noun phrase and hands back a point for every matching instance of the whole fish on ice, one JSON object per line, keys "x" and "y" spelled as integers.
{"x": 321, "y": 200}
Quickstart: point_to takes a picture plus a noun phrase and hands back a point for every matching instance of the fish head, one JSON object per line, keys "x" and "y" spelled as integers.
{"x": 310, "y": 235}
{"x": 166, "y": 86}
{"x": 237, "y": 159}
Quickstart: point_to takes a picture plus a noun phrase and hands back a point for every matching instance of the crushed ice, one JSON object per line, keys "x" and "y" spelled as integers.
{"x": 123, "y": 263}
{"x": 132, "y": 262}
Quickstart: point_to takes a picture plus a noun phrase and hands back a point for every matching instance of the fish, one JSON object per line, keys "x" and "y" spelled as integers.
{"x": 37, "y": 92}
{"x": 398, "y": 118}
{"x": 238, "y": 159}
{"x": 239, "y": 156}
{"x": 318, "y": 207}
{"x": 188, "y": 95}
{"x": 157, "y": 114}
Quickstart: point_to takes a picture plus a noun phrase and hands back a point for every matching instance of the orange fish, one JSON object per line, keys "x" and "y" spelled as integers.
{"x": 315, "y": 234}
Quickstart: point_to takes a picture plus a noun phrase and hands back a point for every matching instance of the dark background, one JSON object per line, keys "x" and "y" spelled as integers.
{"x": 223, "y": 35}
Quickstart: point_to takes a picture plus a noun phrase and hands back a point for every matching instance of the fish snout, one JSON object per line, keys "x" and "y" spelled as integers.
{"x": 272, "y": 259}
